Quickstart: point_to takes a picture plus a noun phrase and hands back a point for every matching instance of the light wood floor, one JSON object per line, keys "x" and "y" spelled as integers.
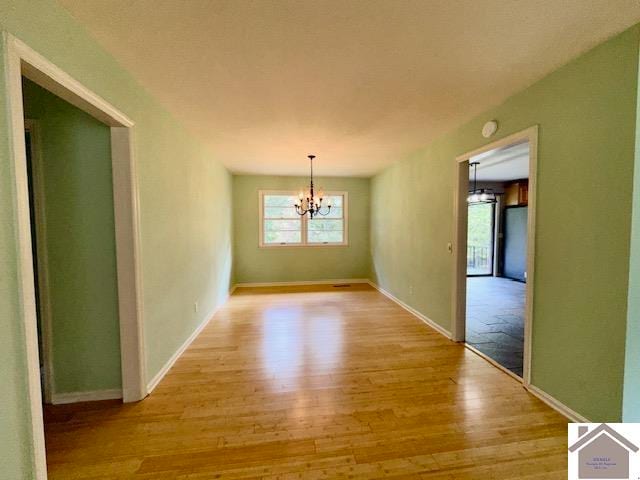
{"x": 315, "y": 383}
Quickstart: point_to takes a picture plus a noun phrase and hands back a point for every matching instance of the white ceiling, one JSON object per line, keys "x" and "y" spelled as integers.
{"x": 500, "y": 165}
{"x": 360, "y": 83}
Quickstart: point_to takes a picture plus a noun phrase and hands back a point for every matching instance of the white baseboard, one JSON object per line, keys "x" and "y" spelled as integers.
{"x": 110, "y": 394}
{"x": 75, "y": 397}
{"x": 557, "y": 405}
{"x": 413, "y": 311}
{"x": 307, "y": 282}
{"x": 167, "y": 366}
{"x": 542, "y": 395}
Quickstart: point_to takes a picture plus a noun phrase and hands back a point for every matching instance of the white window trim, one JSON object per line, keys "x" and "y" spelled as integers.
{"x": 303, "y": 244}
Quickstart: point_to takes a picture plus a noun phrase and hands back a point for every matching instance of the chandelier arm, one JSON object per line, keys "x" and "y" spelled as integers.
{"x": 325, "y": 214}
{"x": 301, "y": 211}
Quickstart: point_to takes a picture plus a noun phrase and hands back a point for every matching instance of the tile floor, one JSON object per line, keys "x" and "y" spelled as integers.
{"x": 495, "y": 319}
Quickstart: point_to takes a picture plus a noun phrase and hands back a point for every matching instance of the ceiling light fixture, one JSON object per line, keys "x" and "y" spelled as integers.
{"x": 479, "y": 195}
{"x": 309, "y": 202}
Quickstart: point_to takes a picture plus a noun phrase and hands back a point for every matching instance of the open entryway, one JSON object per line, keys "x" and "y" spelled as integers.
{"x": 73, "y": 248}
{"x": 78, "y": 262}
{"x": 494, "y": 216}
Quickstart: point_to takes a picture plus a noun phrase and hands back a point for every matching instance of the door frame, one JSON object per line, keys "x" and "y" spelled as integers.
{"x": 42, "y": 254}
{"x": 21, "y": 60}
{"x": 497, "y": 239}
{"x": 458, "y": 309}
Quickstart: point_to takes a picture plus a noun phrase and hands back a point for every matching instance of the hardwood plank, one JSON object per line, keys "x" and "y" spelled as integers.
{"x": 315, "y": 382}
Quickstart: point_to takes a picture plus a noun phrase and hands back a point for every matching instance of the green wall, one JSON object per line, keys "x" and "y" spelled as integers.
{"x": 288, "y": 264}
{"x": 631, "y": 412}
{"x": 185, "y": 215}
{"x": 631, "y": 405}
{"x": 78, "y": 199}
{"x": 586, "y": 111}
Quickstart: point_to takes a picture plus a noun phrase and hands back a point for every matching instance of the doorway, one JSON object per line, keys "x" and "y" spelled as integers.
{"x": 22, "y": 61}
{"x": 493, "y": 252}
{"x": 73, "y": 238}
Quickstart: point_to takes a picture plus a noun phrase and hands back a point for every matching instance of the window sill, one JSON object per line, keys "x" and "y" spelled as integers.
{"x": 306, "y": 245}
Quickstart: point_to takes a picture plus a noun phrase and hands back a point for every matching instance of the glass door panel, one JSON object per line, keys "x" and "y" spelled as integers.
{"x": 480, "y": 239}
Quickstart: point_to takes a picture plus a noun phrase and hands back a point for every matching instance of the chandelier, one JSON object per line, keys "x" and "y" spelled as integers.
{"x": 310, "y": 202}
{"x": 479, "y": 195}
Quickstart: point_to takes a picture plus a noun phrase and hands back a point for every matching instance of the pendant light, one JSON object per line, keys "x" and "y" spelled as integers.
{"x": 309, "y": 202}
{"x": 479, "y": 195}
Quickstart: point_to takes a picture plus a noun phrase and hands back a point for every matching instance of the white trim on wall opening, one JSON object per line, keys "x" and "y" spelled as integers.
{"x": 42, "y": 253}
{"x": 21, "y": 60}
{"x": 458, "y": 308}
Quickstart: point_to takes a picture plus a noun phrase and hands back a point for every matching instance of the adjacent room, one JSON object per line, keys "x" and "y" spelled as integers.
{"x": 497, "y": 255}
{"x": 331, "y": 239}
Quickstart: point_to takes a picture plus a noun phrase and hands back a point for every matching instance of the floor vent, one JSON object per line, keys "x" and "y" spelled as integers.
{"x": 341, "y": 285}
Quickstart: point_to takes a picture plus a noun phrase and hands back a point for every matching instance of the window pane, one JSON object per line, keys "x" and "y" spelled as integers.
{"x": 282, "y": 237}
{"x": 329, "y": 228}
{"x": 280, "y": 212}
{"x": 320, "y": 224}
{"x": 281, "y": 222}
{"x": 336, "y": 200}
{"x": 282, "y": 225}
{"x": 321, "y": 230}
{"x": 279, "y": 200}
{"x": 335, "y": 212}
{"x": 320, "y": 236}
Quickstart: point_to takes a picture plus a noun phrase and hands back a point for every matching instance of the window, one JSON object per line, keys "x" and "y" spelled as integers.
{"x": 329, "y": 229}
{"x": 280, "y": 225}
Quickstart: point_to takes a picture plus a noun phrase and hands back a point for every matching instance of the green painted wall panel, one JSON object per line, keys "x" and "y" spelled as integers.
{"x": 631, "y": 404}
{"x": 586, "y": 112}
{"x": 185, "y": 215}
{"x": 288, "y": 264}
{"x": 631, "y": 411}
{"x": 76, "y": 166}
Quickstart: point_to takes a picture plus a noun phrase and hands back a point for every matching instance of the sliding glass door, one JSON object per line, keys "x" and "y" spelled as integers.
{"x": 480, "y": 238}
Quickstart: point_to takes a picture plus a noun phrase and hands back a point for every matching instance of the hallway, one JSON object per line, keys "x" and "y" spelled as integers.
{"x": 315, "y": 382}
